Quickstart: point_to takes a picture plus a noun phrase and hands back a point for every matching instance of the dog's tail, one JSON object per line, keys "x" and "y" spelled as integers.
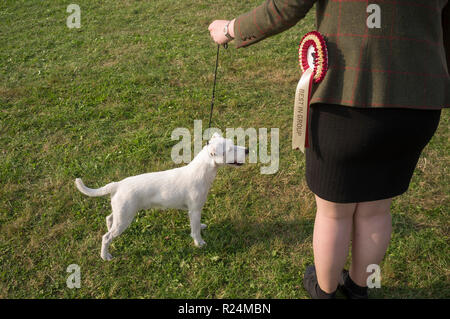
{"x": 107, "y": 189}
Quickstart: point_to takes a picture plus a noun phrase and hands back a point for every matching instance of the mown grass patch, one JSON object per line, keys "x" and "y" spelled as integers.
{"x": 100, "y": 102}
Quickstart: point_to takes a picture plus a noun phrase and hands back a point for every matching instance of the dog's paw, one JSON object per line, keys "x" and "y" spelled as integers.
{"x": 199, "y": 243}
{"x": 203, "y": 226}
{"x": 107, "y": 256}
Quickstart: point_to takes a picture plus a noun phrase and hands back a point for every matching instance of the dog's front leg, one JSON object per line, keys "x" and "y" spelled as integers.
{"x": 196, "y": 227}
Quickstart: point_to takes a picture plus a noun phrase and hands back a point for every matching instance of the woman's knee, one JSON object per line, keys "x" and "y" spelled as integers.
{"x": 373, "y": 208}
{"x": 335, "y": 210}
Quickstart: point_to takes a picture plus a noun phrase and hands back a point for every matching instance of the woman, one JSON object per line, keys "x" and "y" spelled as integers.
{"x": 376, "y": 109}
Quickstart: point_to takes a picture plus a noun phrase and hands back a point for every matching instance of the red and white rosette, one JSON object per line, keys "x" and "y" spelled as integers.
{"x": 313, "y": 59}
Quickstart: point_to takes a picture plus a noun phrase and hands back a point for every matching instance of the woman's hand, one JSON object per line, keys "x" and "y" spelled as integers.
{"x": 217, "y": 31}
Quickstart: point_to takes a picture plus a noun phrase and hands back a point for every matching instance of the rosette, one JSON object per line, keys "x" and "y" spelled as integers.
{"x": 313, "y": 60}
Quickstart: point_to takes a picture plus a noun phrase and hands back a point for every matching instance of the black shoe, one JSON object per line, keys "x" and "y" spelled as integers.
{"x": 350, "y": 289}
{"x": 312, "y": 286}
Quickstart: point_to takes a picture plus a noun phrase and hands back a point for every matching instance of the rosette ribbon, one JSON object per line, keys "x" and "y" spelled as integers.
{"x": 313, "y": 60}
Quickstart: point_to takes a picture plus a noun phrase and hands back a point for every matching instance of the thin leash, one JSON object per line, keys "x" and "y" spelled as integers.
{"x": 214, "y": 85}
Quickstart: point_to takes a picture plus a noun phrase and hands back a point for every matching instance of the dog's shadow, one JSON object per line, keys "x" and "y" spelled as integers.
{"x": 226, "y": 235}
{"x": 239, "y": 235}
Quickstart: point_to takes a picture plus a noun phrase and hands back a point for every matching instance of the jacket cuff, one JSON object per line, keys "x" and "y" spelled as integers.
{"x": 244, "y": 33}
{"x": 269, "y": 18}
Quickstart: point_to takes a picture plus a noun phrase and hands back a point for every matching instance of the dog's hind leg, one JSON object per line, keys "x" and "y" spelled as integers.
{"x": 196, "y": 227}
{"x": 106, "y": 241}
{"x": 109, "y": 221}
{"x": 121, "y": 220}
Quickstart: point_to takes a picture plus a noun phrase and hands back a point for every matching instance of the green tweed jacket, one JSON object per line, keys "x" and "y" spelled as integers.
{"x": 401, "y": 59}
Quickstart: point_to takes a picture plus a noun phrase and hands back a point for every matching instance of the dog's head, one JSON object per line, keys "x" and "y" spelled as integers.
{"x": 224, "y": 152}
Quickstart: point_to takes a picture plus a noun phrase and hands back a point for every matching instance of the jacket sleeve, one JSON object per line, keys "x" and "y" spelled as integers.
{"x": 269, "y": 18}
{"x": 446, "y": 32}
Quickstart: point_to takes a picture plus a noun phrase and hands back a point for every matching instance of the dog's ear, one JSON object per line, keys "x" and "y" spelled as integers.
{"x": 212, "y": 150}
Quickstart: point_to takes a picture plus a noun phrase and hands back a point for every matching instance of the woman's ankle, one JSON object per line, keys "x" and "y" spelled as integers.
{"x": 360, "y": 280}
{"x": 359, "y": 286}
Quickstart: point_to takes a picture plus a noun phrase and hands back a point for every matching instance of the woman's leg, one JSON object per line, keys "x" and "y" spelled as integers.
{"x": 331, "y": 239}
{"x": 371, "y": 236}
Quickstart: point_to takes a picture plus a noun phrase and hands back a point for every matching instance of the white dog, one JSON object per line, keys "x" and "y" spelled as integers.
{"x": 180, "y": 188}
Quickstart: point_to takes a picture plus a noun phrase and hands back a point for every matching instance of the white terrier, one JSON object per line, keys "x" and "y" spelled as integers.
{"x": 179, "y": 188}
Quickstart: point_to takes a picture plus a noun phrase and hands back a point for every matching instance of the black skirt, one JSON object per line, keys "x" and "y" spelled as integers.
{"x": 365, "y": 154}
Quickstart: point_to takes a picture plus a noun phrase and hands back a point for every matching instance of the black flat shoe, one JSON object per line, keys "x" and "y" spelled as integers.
{"x": 312, "y": 286}
{"x": 350, "y": 289}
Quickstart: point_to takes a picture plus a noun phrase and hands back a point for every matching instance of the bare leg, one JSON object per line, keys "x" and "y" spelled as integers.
{"x": 332, "y": 234}
{"x": 371, "y": 236}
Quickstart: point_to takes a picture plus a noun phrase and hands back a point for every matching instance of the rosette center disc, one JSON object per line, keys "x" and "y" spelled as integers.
{"x": 313, "y": 54}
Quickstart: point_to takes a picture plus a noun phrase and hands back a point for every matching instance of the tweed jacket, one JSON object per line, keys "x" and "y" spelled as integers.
{"x": 402, "y": 62}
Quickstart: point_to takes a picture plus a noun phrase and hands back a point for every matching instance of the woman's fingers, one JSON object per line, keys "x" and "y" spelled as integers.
{"x": 216, "y": 30}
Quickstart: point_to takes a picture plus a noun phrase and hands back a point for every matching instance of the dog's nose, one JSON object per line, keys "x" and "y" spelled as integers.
{"x": 246, "y": 151}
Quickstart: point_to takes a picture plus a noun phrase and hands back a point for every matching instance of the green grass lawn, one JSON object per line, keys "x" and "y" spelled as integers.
{"x": 100, "y": 102}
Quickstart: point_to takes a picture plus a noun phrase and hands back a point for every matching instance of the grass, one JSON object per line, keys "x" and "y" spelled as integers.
{"x": 100, "y": 102}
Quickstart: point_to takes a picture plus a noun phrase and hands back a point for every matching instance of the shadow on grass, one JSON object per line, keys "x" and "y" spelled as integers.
{"x": 405, "y": 225}
{"x": 237, "y": 236}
